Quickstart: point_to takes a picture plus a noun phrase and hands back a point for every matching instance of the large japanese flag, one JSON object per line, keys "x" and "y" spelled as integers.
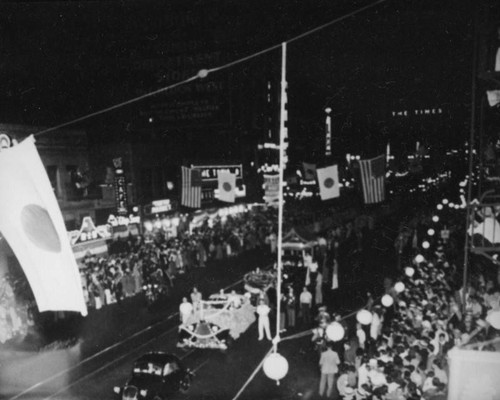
{"x": 328, "y": 181}
{"x": 227, "y": 186}
{"x": 32, "y": 224}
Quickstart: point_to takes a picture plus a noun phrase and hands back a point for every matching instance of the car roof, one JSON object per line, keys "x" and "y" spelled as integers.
{"x": 158, "y": 358}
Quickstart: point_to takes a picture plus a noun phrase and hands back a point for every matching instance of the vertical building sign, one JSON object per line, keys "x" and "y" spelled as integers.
{"x": 120, "y": 188}
{"x": 328, "y": 133}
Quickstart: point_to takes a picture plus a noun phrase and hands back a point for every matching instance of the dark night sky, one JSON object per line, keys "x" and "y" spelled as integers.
{"x": 64, "y": 59}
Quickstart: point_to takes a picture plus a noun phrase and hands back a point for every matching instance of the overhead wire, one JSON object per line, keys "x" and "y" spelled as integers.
{"x": 204, "y": 72}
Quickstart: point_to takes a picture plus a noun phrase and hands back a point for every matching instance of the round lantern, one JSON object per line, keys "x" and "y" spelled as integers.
{"x": 451, "y": 205}
{"x": 409, "y": 271}
{"x": 493, "y": 318}
{"x": 431, "y": 232}
{"x": 445, "y": 201}
{"x": 419, "y": 258}
{"x": 275, "y": 366}
{"x": 435, "y": 218}
{"x": 399, "y": 287}
{"x": 387, "y": 300}
{"x": 364, "y": 317}
{"x": 425, "y": 244}
{"x": 439, "y": 206}
{"x": 335, "y": 331}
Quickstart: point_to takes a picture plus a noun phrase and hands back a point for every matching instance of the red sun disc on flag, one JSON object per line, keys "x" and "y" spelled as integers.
{"x": 227, "y": 186}
{"x": 328, "y": 183}
{"x": 38, "y": 227}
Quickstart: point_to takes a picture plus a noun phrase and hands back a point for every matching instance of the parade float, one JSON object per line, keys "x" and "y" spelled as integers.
{"x": 216, "y": 322}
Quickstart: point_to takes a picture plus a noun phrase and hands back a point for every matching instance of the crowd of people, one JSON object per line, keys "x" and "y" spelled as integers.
{"x": 402, "y": 352}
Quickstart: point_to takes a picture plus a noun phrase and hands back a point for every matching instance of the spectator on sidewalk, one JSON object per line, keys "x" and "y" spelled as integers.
{"x": 290, "y": 307}
{"x": 329, "y": 362}
{"x": 196, "y": 298}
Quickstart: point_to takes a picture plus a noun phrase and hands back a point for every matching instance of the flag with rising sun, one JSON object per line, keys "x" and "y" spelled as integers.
{"x": 32, "y": 223}
{"x": 227, "y": 186}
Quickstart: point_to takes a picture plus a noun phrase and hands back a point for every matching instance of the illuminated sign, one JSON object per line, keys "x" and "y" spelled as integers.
{"x": 120, "y": 184}
{"x": 211, "y": 172}
{"x": 159, "y": 206}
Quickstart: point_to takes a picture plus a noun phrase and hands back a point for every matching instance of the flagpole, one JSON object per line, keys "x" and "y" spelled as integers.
{"x": 283, "y": 133}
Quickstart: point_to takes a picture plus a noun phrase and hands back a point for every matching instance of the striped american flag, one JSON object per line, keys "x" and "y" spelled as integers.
{"x": 191, "y": 188}
{"x": 373, "y": 179}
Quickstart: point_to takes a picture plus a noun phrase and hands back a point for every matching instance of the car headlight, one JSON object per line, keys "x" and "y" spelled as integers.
{"x": 143, "y": 392}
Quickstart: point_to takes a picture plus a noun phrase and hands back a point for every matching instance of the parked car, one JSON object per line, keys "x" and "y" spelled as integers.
{"x": 155, "y": 376}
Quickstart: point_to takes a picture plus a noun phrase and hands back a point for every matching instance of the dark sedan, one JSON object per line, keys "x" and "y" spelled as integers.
{"x": 155, "y": 376}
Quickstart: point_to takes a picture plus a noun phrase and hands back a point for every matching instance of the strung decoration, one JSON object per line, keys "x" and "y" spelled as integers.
{"x": 275, "y": 367}
{"x": 425, "y": 245}
{"x": 387, "y": 300}
{"x": 439, "y": 206}
{"x": 431, "y": 232}
{"x": 445, "y": 201}
{"x": 335, "y": 331}
{"x": 364, "y": 317}
{"x": 435, "y": 218}
{"x": 399, "y": 287}
{"x": 409, "y": 271}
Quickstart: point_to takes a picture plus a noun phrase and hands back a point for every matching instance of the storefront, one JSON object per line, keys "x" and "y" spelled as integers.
{"x": 162, "y": 216}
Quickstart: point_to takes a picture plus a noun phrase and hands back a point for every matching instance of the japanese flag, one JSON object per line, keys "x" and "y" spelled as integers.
{"x": 227, "y": 186}
{"x": 328, "y": 181}
{"x": 32, "y": 224}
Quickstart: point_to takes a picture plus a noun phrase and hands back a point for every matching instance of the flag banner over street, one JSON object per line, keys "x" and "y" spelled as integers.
{"x": 373, "y": 179}
{"x": 32, "y": 224}
{"x": 309, "y": 171}
{"x": 227, "y": 186}
{"x": 191, "y": 188}
{"x": 328, "y": 181}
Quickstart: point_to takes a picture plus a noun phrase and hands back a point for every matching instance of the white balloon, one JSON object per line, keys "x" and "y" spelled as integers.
{"x": 493, "y": 318}
{"x": 275, "y": 366}
{"x": 399, "y": 287}
{"x": 387, "y": 300}
{"x": 335, "y": 331}
{"x": 364, "y": 317}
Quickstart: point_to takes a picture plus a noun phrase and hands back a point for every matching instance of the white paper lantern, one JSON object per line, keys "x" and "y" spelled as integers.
{"x": 435, "y": 218}
{"x": 493, "y": 318}
{"x": 439, "y": 206}
{"x": 425, "y": 244}
{"x": 335, "y": 331}
{"x": 419, "y": 258}
{"x": 387, "y": 300}
{"x": 409, "y": 271}
{"x": 275, "y": 366}
{"x": 431, "y": 232}
{"x": 364, "y": 317}
{"x": 399, "y": 287}
{"x": 445, "y": 201}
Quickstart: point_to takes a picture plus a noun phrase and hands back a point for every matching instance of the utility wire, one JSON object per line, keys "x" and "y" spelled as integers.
{"x": 204, "y": 72}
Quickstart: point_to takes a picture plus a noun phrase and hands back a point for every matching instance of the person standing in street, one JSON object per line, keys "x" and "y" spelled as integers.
{"x": 185, "y": 310}
{"x": 264, "y": 324}
{"x": 290, "y": 307}
{"x": 305, "y": 305}
{"x": 196, "y": 298}
{"x": 329, "y": 365}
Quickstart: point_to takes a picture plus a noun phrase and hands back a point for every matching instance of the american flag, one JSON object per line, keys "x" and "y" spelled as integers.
{"x": 191, "y": 188}
{"x": 373, "y": 179}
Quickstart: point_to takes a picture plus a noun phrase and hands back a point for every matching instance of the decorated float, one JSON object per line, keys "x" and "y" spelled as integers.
{"x": 216, "y": 322}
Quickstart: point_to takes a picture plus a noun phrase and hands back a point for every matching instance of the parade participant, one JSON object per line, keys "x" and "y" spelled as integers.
{"x": 185, "y": 310}
{"x": 196, "y": 298}
{"x": 264, "y": 324}
{"x": 329, "y": 362}
{"x": 305, "y": 305}
{"x": 290, "y": 307}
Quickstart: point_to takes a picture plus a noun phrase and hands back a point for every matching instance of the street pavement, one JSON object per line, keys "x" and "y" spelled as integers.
{"x": 113, "y": 337}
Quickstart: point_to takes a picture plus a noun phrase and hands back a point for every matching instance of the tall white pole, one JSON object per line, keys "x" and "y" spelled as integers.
{"x": 283, "y": 134}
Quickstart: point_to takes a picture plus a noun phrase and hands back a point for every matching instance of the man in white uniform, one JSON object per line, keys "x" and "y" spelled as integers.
{"x": 185, "y": 310}
{"x": 264, "y": 326}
